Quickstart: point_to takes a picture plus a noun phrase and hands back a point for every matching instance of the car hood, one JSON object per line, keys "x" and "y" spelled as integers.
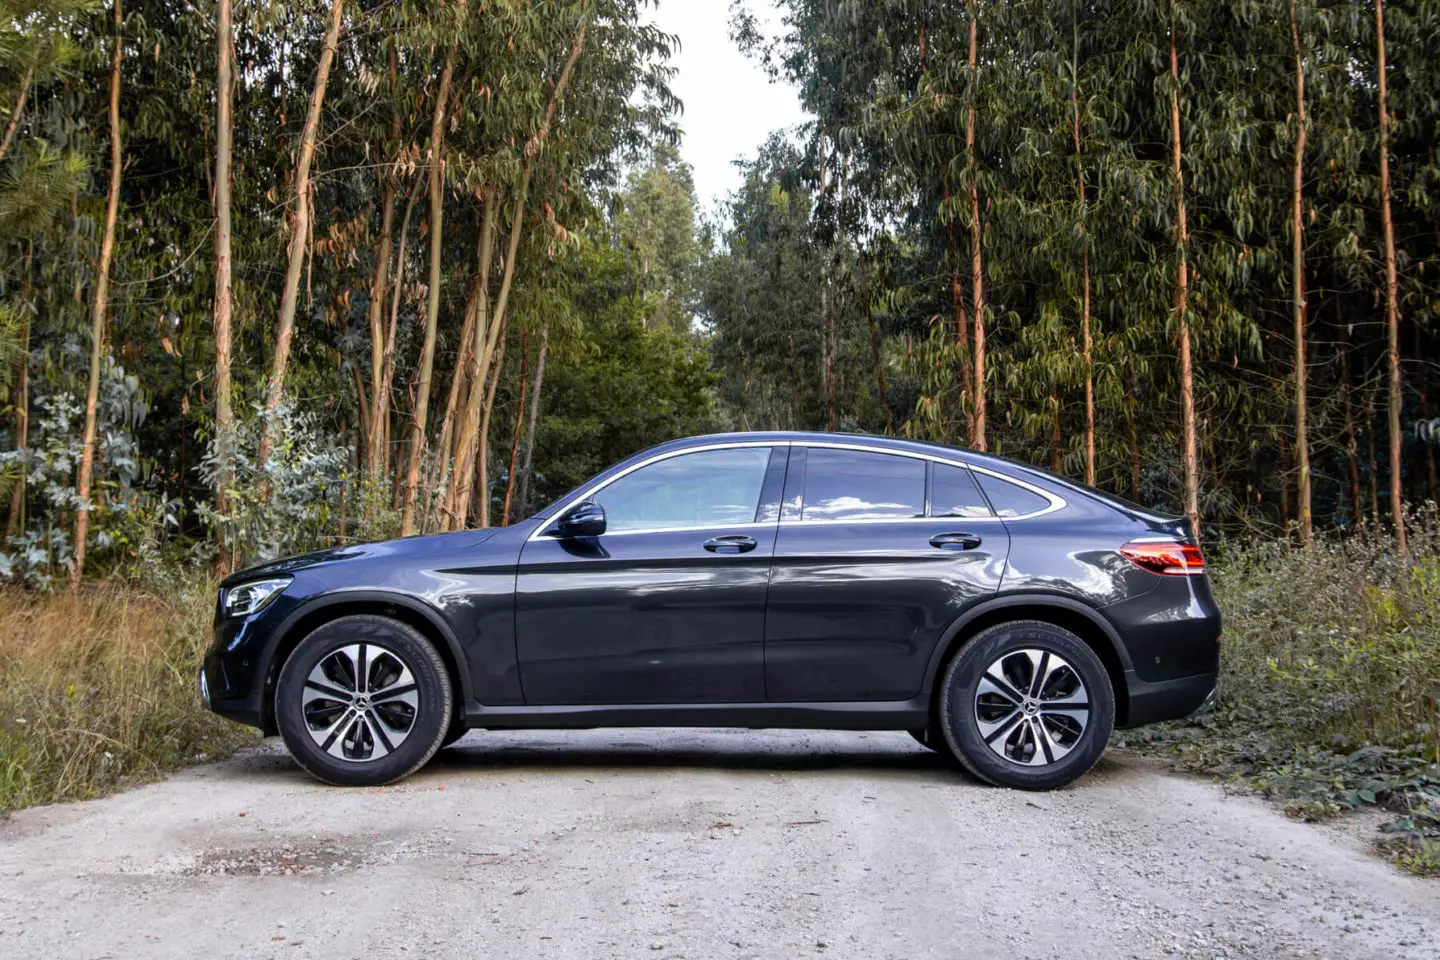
{"x": 405, "y": 546}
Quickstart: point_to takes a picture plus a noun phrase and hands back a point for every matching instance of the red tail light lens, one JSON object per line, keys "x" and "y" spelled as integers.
{"x": 1169, "y": 559}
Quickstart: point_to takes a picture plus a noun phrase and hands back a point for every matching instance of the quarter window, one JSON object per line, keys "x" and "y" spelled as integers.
{"x": 708, "y": 488}
{"x": 1009, "y": 499}
{"x": 953, "y": 493}
{"x": 856, "y": 485}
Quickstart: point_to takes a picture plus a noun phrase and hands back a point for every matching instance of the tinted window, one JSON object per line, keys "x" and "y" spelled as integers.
{"x": 1010, "y": 500}
{"x": 853, "y": 485}
{"x": 702, "y": 489}
{"x": 953, "y": 493}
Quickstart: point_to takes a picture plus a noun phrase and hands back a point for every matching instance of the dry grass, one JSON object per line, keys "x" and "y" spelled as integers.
{"x": 100, "y": 690}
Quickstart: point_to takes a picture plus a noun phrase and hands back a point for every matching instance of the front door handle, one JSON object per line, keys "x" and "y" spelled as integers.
{"x": 955, "y": 541}
{"x": 733, "y": 544}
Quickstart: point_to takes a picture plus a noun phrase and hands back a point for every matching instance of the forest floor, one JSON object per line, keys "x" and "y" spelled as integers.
{"x": 698, "y": 844}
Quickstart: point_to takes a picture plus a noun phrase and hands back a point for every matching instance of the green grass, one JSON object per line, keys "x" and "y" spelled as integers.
{"x": 99, "y": 691}
{"x": 1330, "y": 681}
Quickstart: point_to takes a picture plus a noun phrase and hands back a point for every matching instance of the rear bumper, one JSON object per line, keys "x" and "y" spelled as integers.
{"x": 1165, "y": 699}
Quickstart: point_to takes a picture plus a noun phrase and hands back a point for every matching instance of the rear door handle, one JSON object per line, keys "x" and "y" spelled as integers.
{"x": 955, "y": 541}
{"x": 732, "y": 544}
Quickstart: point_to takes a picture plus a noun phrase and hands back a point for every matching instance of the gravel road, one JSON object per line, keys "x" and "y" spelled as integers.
{"x": 699, "y": 844}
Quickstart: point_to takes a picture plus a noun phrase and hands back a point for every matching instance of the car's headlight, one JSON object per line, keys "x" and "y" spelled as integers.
{"x": 252, "y": 597}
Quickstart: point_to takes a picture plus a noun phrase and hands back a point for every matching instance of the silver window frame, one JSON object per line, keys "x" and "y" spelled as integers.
{"x": 1055, "y": 502}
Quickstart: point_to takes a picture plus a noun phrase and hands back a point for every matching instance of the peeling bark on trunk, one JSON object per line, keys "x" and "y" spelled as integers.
{"x": 977, "y": 280}
{"x": 1085, "y": 332}
{"x": 525, "y": 470}
{"x": 432, "y": 307}
{"x": 98, "y": 311}
{"x": 510, "y": 479}
{"x": 1190, "y": 453}
{"x": 1297, "y": 221}
{"x": 1392, "y": 295}
{"x": 224, "y": 416}
{"x": 390, "y": 179}
{"x": 380, "y": 410}
{"x": 299, "y": 239}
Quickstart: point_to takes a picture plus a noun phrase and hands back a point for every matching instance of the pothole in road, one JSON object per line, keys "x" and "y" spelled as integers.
{"x": 311, "y": 857}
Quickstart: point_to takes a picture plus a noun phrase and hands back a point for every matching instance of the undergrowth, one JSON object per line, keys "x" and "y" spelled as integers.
{"x": 99, "y": 690}
{"x": 1329, "y": 693}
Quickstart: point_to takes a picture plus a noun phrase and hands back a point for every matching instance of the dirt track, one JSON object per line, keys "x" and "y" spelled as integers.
{"x": 698, "y": 844}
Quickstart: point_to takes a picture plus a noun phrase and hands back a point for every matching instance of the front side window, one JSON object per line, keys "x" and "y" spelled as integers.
{"x": 707, "y": 488}
{"x": 858, "y": 485}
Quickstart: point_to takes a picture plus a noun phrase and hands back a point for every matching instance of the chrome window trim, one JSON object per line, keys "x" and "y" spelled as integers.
{"x": 591, "y": 491}
{"x": 1056, "y": 502}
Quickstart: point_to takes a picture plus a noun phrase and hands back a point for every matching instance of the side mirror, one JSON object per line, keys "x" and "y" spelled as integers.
{"x": 584, "y": 520}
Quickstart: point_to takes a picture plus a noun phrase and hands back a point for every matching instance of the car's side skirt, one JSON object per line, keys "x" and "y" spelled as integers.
{"x": 867, "y": 715}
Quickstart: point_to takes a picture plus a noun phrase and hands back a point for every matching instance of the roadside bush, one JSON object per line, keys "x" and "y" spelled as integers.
{"x": 1330, "y": 679}
{"x": 100, "y": 689}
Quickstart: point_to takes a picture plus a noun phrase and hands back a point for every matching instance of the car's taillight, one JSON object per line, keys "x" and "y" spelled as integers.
{"x": 1167, "y": 558}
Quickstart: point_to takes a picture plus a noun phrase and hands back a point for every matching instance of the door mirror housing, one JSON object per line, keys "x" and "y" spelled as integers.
{"x": 583, "y": 520}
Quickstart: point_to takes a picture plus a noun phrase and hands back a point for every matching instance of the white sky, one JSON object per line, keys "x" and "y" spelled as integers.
{"x": 730, "y": 104}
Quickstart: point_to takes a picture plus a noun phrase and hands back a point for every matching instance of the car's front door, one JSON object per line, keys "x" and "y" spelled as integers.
{"x": 668, "y": 605}
{"x": 876, "y": 555}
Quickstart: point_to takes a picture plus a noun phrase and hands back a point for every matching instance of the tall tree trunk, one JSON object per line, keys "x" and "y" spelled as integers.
{"x": 299, "y": 240}
{"x": 390, "y": 179}
{"x": 380, "y": 411}
{"x": 19, "y": 111}
{"x": 1297, "y": 256}
{"x": 432, "y": 305}
{"x": 16, "y": 520}
{"x": 875, "y": 347}
{"x": 1130, "y": 418}
{"x": 1352, "y": 454}
{"x": 97, "y": 317}
{"x": 482, "y": 453}
{"x": 525, "y": 470}
{"x": 1370, "y": 444}
{"x": 977, "y": 280}
{"x": 1190, "y": 453}
{"x": 962, "y": 328}
{"x": 1392, "y": 295}
{"x": 1086, "y": 346}
{"x": 485, "y": 351}
{"x": 224, "y": 417}
{"x": 510, "y": 479}
{"x": 1057, "y": 438}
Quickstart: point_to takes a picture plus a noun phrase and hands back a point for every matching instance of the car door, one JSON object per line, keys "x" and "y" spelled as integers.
{"x": 877, "y": 553}
{"x": 668, "y": 605}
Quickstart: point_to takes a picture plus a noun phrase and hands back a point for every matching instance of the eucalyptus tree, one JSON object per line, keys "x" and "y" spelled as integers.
{"x": 101, "y": 304}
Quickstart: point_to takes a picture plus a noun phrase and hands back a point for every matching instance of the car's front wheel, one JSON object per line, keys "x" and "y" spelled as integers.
{"x": 363, "y": 700}
{"x": 1027, "y": 704}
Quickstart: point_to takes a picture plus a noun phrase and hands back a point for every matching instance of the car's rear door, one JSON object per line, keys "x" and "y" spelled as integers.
{"x": 668, "y": 606}
{"x": 876, "y": 554}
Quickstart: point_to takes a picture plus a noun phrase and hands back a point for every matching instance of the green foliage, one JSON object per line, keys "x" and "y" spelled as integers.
{"x": 1330, "y": 687}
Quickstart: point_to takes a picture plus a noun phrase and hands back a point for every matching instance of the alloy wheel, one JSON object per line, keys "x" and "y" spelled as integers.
{"x": 360, "y": 702}
{"x": 1031, "y": 707}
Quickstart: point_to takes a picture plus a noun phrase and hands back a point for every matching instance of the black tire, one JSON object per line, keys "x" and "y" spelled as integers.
{"x": 1033, "y": 757}
{"x": 398, "y": 732}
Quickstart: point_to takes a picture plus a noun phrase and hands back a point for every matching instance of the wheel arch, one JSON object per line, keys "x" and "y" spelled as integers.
{"x": 1065, "y": 612}
{"x": 397, "y": 606}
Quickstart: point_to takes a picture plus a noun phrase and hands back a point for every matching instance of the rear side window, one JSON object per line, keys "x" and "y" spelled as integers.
{"x": 1009, "y": 499}
{"x": 856, "y": 485}
{"x": 953, "y": 493}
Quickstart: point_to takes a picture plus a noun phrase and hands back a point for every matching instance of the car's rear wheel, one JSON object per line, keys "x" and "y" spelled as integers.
{"x": 1028, "y": 705}
{"x": 363, "y": 700}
